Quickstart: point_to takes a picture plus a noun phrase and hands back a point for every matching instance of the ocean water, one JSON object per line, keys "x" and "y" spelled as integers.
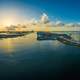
{"x": 25, "y": 58}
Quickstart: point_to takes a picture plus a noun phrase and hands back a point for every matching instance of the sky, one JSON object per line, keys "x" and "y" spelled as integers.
{"x": 20, "y": 11}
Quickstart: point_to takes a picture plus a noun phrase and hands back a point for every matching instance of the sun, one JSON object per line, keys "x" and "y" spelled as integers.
{"x": 7, "y": 21}
{"x": 9, "y": 18}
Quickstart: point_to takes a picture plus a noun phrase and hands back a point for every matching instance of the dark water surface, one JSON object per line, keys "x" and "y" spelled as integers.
{"x": 25, "y": 58}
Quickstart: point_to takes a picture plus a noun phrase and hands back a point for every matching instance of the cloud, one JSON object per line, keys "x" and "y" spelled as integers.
{"x": 44, "y": 19}
{"x": 33, "y": 21}
{"x": 59, "y": 23}
{"x": 71, "y": 24}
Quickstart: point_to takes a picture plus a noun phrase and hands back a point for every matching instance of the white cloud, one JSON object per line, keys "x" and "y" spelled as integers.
{"x": 59, "y": 23}
{"x": 33, "y": 21}
{"x": 70, "y": 24}
{"x": 44, "y": 19}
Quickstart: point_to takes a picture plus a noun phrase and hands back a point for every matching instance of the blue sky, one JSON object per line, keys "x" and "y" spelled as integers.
{"x": 65, "y": 10}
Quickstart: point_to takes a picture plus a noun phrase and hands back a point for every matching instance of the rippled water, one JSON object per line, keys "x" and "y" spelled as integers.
{"x": 25, "y": 57}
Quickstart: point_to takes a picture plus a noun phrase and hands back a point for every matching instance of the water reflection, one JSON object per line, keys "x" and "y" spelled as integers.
{"x": 16, "y": 47}
{"x": 16, "y": 44}
{"x": 6, "y": 45}
{"x": 71, "y": 39}
{"x": 24, "y": 55}
{"x": 76, "y": 36}
{"x": 12, "y": 44}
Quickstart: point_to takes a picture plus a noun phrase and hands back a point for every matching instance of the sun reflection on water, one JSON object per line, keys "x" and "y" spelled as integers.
{"x": 15, "y": 44}
{"x": 7, "y": 45}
